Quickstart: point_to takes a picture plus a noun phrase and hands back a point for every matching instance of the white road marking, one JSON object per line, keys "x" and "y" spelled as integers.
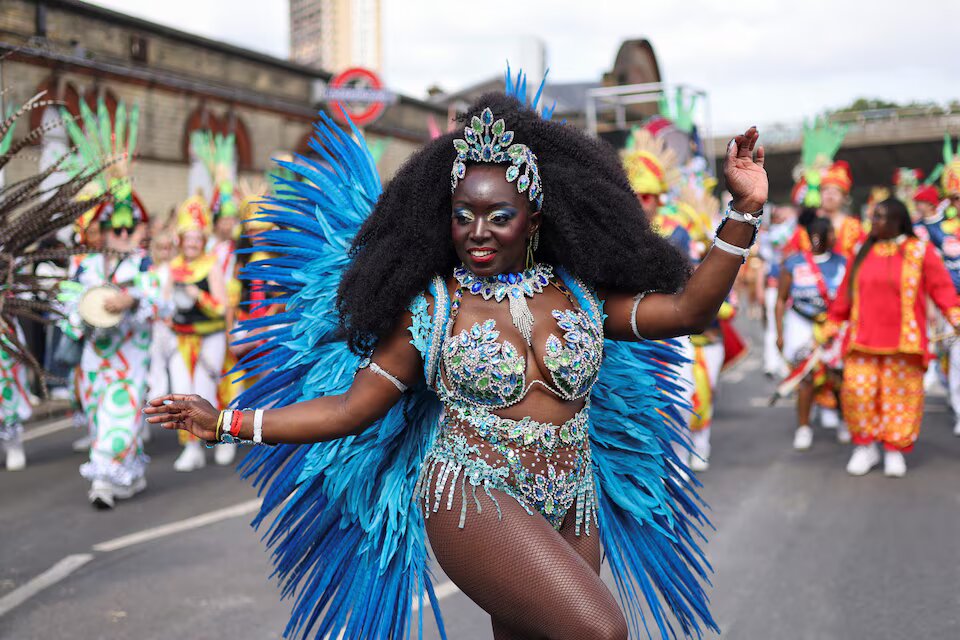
{"x": 71, "y": 563}
{"x": 48, "y": 578}
{"x": 179, "y": 526}
{"x": 47, "y": 429}
{"x": 442, "y": 591}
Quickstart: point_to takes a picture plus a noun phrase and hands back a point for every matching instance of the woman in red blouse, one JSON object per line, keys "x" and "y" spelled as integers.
{"x": 884, "y": 297}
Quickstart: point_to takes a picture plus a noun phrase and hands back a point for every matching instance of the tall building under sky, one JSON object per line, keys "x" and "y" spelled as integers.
{"x": 336, "y": 34}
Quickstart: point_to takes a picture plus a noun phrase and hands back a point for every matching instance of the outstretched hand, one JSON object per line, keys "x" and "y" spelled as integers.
{"x": 187, "y": 412}
{"x": 745, "y": 177}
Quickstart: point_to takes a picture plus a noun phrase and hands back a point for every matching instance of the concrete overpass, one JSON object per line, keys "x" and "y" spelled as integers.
{"x": 877, "y": 143}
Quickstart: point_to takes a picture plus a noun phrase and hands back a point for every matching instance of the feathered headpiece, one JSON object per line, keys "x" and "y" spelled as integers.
{"x": 821, "y": 141}
{"x": 218, "y": 153}
{"x": 29, "y": 213}
{"x": 651, "y": 166}
{"x": 103, "y": 141}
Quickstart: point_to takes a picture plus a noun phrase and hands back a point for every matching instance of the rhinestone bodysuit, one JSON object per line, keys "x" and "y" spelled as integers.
{"x": 547, "y": 468}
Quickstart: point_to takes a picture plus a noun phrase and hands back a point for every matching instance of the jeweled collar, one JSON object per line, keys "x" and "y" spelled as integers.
{"x": 526, "y": 283}
{"x": 515, "y": 287}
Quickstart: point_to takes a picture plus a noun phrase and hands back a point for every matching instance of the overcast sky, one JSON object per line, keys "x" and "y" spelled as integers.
{"x": 761, "y": 61}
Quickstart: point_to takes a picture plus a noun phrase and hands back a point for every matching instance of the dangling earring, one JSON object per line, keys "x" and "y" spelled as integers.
{"x": 532, "y": 245}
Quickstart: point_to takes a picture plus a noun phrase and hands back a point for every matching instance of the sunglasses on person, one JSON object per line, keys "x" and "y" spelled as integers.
{"x": 119, "y": 231}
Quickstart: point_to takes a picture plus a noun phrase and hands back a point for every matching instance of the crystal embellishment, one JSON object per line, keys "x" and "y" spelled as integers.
{"x": 488, "y": 141}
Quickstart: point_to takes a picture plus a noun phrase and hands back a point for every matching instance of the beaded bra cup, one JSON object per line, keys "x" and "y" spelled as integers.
{"x": 484, "y": 372}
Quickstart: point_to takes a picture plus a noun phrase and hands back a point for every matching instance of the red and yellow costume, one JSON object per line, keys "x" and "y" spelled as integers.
{"x": 197, "y": 322}
{"x": 886, "y": 346}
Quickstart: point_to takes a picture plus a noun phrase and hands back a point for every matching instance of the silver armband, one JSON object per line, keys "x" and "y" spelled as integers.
{"x": 383, "y": 373}
{"x": 637, "y": 299}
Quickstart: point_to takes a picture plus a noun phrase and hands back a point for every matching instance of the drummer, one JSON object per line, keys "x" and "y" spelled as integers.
{"x": 115, "y": 356}
{"x": 199, "y": 296}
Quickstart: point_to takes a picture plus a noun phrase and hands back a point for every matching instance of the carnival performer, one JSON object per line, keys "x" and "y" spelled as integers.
{"x": 116, "y": 358}
{"x": 808, "y": 283}
{"x": 493, "y": 252}
{"x": 884, "y": 297}
{"x": 782, "y": 221}
{"x": 943, "y": 234}
{"x": 15, "y": 407}
{"x": 163, "y": 248}
{"x": 824, "y": 184}
{"x": 199, "y": 297}
{"x": 29, "y": 211}
{"x": 116, "y": 333}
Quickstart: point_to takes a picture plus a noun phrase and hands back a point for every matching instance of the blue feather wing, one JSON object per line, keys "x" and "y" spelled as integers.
{"x": 650, "y": 515}
{"x": 348, "y": 542}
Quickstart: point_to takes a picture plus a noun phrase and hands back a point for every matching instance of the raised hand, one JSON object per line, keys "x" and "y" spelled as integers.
{"x": 745, "y": 177}
{"x": 187, "y": 412}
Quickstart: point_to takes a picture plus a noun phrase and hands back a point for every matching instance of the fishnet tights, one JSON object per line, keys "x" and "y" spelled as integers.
{"x": 536, "y": 583}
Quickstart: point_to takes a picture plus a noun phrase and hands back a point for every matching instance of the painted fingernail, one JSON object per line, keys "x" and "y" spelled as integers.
{"x": 732, "y": 142}
{"x": 168, "y": 402}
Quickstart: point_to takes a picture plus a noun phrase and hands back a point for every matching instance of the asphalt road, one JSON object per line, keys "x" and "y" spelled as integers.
{"x": 801, "y": 550}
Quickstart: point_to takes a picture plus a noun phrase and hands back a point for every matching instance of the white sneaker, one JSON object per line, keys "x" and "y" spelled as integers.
{"x": 223, "y": 454}
{"x": 894, "y": 465}
{"x": 700, "y": 457}
{"x": 864, "y": 458}
{"x": 82, "y": 445}
{"x": 16, "y": 458}
{"x": 123, "y": 493}
{"x": 829, "y": 418}
{"x": 191, "y": 459}
{"x": 101, "y": 494}
{"x": 843, "y": 433}
{"x": 802, "y": 438}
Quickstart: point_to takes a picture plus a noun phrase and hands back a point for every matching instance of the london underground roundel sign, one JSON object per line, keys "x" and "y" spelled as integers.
{"x": 360, "y": 93}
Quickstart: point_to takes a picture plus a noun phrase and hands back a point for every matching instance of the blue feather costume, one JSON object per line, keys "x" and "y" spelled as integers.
{"x": 348, "y": 537}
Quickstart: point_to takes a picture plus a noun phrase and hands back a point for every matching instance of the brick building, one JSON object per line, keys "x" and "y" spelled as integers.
{"x": 182, "y": 82}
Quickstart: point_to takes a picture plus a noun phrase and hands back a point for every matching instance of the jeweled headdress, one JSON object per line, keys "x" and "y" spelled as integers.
{"x": 489, "y": 141}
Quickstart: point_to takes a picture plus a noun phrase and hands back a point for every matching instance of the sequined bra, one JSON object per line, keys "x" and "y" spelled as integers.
{"x": 481, "y": 371}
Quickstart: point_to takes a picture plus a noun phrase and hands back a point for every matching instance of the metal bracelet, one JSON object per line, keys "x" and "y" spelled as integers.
{"x": 383, "y": 373}
{"x": 633, "y": 313}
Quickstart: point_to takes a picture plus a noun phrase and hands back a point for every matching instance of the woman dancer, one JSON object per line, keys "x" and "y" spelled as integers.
{"x": 884, "y": 296}
{"x": 481, "y": 248}
{"x": 199, "y": 297}
{"x": 808, "y": 283}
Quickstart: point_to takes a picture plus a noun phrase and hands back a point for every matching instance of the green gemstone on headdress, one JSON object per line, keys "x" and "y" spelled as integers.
{"x": 515, "y": 150}
{"x": 523, "y": 183}
{"x": 499, "y": 127}
{"x": 512, "y": 173}
{"x": 476, "y": 125}
{"x": 461, "y": 145}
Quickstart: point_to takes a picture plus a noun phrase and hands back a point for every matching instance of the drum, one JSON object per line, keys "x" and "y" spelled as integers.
{"x": 92, "y": 307}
